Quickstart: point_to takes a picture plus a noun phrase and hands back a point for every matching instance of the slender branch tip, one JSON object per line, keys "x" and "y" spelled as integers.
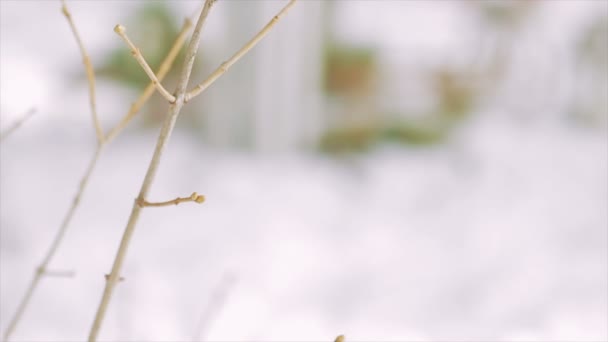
{"x": 119, "y": 29}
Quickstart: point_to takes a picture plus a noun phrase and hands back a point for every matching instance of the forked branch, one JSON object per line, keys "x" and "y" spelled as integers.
{"x": 163, "y": 139}
{"x": 90, "y": 73}
{"x": 240, "y": 53}
{"x": 164, "y": 68}
{"x": 42, "y": 269}
{"x": 121, "y": 31}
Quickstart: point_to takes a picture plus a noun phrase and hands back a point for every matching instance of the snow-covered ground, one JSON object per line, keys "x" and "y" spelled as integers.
{"x": 499, "y": 235}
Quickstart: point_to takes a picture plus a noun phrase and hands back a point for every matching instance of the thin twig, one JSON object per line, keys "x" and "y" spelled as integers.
{"x": 59, "y": 273}
{"x": 120, "y": 30}
{"x": 41, "y": 270}
{"x": 17, "y": 123}
{"x": 90, "y": 73}
{"x": 161, "y": 73}
{"x": 192, "y": 198}
{"x": 213, "y": 308}
{"x": 163, "y": 139}
{"x": 240, "y": 53}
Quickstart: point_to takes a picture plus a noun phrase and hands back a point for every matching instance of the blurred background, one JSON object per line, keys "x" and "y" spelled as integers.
{"x": 388, "y": 170}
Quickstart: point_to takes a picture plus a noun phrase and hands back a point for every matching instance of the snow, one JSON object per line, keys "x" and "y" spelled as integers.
{"x": 500, "y": 234}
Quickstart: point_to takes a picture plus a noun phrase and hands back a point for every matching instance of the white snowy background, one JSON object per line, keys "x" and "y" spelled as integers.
{"x": 499, "y": 234}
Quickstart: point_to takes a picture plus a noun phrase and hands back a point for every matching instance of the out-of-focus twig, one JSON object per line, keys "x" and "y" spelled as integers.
{"x": 212, "y": 309}
{"x": 17, "y": 123}
{"x": 42, "y": 269}
{"x": 90, "y": 73}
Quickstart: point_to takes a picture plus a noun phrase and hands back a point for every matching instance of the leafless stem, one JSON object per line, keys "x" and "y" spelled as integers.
{"x": 216, "y": 303}
{"x": 163, "y": 139}
{"x": 192, "y": 198}
{"x": 90, "y": 73}
{"x": 41, "y": 270}
{"x": 161, "y": 73}
{"x": 17, "y": 124}
{"x": 60, "y": 273}
{"x": 240, "y": 53}
{"x": 107, "y": 276}
{"x": 120, "y": 30}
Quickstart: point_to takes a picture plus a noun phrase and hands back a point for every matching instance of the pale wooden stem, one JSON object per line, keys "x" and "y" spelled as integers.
{"x": 107, "y": 276}
{"x": 59, "y": 273}
{"x": 192, "y": 198}
{"x": 17, "y": 124}
{"x": 163, "y": 70}
{"x": 89, "y": 71}
{"x": 22, "y": 306}
{"x": 240, "y": 53}
{"x": 163, "y": 139}
{"x": 120, "y": 30}
{"x": 42, "y": 269}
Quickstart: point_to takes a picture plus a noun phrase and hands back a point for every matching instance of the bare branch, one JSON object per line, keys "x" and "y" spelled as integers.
{"x": 120, "y": 30}
{"x": 17, "y": 124}
{"x": 89, "y": 70}
{"x": 216, "y": 303}
{"x": 41, "y": 270}
{"x": 107, "y": 276}
{"x": 192, "y": 198}
{"x": 163, "y": 70}
{"x": 163, "y": 139}
{"x": 240, "y": 53}
{"x": 59, "y": 273}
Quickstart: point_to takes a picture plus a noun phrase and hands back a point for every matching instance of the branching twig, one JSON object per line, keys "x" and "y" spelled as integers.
{"x": 17, "y": 124}
{"x": 192, "y": 198}
{"x": 161, "y": 144}
{"x": 60, "y": 273}
{"x": 163, "y": 139}
{"x": 120, "y": 30}
{"x": 240, "y": 53}
{"x": 161, "y": 73}
{"x": 90, "y": 73}
{"x": 41, "y": 270}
